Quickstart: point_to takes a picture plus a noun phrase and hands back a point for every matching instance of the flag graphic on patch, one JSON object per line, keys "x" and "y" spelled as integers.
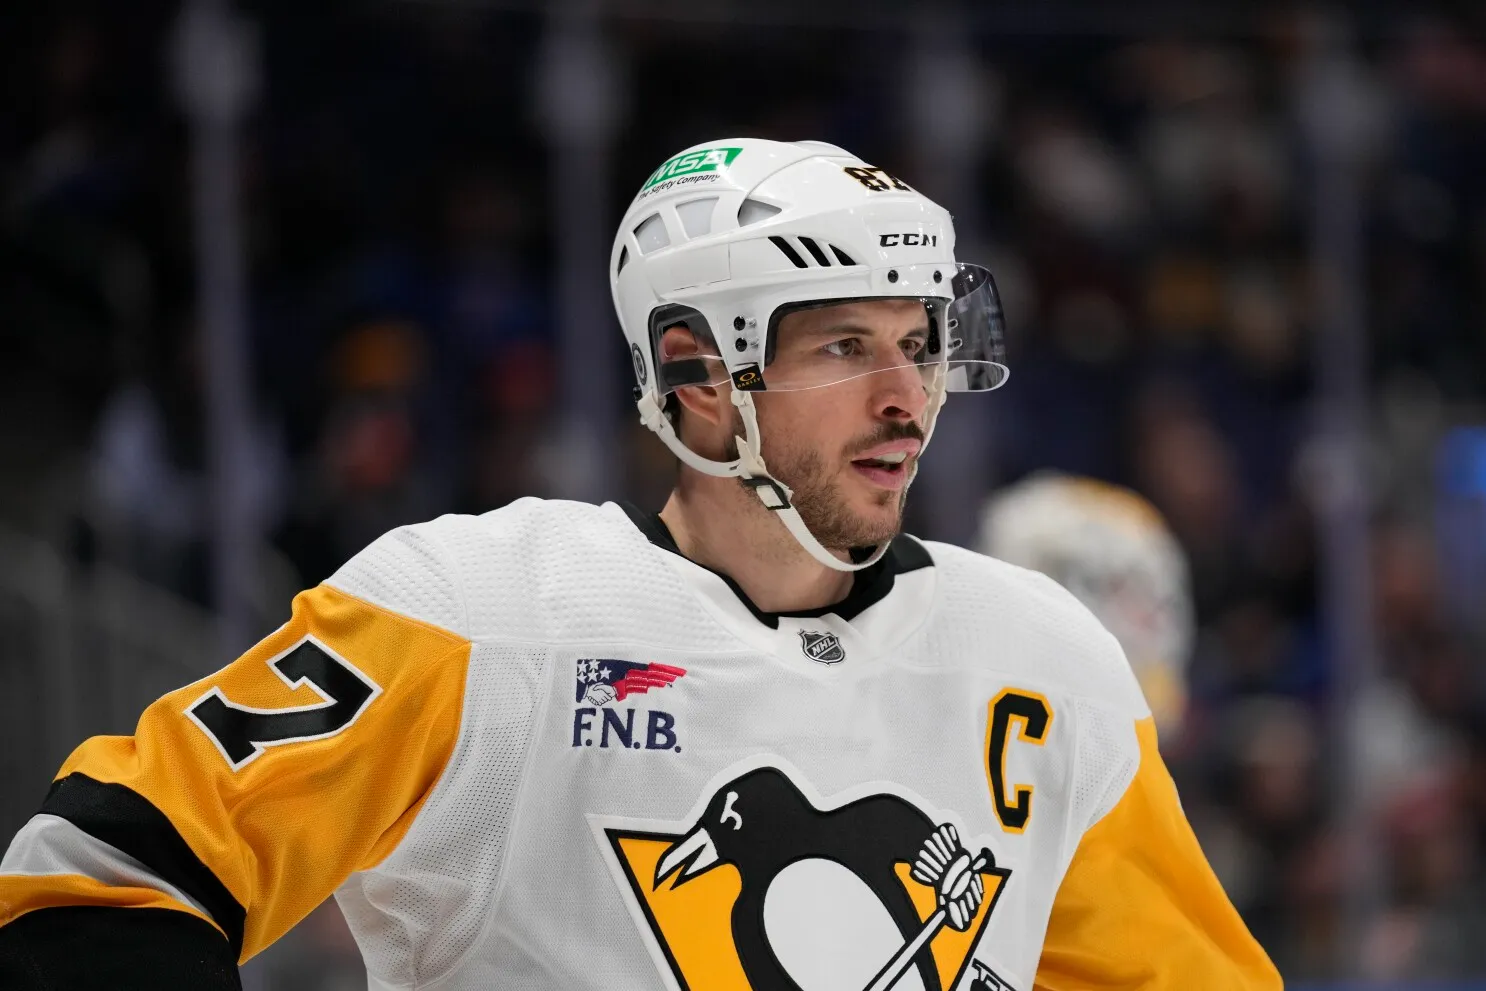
{"x": 602, "y": 680}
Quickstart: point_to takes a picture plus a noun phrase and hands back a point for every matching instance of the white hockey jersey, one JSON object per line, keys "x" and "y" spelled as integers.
{"x": 540, "y": 749}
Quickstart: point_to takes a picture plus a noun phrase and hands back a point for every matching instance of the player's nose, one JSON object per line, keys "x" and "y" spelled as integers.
{"x": 899, "y": 393}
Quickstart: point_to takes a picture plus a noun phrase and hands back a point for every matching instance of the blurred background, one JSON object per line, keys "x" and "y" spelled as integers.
{"x": 277, "y": 277}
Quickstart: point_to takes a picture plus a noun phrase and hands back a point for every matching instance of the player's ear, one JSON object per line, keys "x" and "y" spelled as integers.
{"x": 705, "y": 404}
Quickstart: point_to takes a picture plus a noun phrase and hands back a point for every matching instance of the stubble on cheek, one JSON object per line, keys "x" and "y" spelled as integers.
{"x": 824, "y": 501}
{"x": 825, "y": 489}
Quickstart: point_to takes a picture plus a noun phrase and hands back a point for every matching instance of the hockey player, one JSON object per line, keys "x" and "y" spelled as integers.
{"x": 759, "y": 740}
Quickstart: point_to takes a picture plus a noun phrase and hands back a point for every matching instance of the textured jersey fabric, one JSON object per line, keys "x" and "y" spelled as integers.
{"x": 534, "y": 750}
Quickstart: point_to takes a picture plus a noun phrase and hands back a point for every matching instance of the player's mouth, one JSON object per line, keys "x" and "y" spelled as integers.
{"x": 887, "y": 464}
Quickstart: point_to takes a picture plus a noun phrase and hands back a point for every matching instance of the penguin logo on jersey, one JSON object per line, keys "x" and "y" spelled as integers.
{"x": 767, "y": 890}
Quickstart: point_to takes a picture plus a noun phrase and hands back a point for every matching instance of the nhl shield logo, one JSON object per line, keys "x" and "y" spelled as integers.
{"x": 823, "y": 647}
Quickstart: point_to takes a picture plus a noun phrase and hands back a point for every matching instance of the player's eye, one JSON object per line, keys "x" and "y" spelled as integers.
{"x": 913, "y": 346}
{"x": 847, "y": 347}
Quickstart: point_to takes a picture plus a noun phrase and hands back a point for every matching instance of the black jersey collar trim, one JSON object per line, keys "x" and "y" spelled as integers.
{"x": 869, "y": 586}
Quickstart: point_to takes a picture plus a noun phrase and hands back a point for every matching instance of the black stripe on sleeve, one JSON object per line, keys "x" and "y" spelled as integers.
{"x": 100, "y": 948}
{"x": 126, "y": 820}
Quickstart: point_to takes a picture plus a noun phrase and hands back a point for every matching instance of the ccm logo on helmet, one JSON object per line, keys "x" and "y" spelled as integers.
{"x": 909, "y": 240}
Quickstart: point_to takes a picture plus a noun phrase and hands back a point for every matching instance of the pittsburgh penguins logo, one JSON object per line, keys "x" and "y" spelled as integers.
{"x": 766, "y": 890}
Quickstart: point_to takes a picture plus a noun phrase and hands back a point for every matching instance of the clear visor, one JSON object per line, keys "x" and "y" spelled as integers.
{"x": 811, "y": 345}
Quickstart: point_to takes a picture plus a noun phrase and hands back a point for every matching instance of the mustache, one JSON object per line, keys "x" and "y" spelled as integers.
{"x": 888, "y": 432}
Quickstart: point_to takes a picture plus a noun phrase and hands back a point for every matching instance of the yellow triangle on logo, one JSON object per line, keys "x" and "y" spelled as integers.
{"x": 952, "y": 949}
{"x": 693, "y": 923}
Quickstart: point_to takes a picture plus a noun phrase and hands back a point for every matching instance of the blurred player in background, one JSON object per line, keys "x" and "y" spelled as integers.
{"x": 1113, "y": 551}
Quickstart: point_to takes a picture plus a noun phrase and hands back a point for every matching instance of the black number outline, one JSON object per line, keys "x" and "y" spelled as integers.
{"x": 243, "y": 733}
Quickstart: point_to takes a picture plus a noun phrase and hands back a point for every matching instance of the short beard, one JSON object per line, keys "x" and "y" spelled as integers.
{"x": 815, "y": 497}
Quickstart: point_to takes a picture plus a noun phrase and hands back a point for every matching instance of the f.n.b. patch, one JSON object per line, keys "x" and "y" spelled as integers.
{"x": 605, "y": 682}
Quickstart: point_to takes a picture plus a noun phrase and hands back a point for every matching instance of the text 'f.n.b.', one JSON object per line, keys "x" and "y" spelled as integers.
{"x": 603, "y": 683}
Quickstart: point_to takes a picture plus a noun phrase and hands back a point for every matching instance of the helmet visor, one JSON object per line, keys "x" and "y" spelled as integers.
{"x": 957, "y": 340}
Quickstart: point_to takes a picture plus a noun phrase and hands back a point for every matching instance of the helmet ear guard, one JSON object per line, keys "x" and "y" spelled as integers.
{"x": 680, "y": 372}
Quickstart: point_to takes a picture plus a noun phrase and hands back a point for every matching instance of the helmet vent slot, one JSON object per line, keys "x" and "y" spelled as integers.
{"x": 815, "y": 252}
{"x": 755, "y": 211}
{"x": 651, "y": 234}
{"x": 842, "y": 256}
{"x": 623, "y": 259}
{"x": 696, "y": 216}
{"x": 789, "y": 251}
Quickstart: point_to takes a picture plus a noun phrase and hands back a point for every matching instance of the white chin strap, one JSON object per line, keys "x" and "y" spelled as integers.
{"x": 774, "y": 494}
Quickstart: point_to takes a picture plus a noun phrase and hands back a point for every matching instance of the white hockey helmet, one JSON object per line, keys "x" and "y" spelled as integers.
{"x": 1113, "y": 550}
{"x": 731, "y": 235}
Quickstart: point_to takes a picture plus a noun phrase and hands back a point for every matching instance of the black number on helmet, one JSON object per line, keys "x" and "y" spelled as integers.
{"x": 876, "y": 179}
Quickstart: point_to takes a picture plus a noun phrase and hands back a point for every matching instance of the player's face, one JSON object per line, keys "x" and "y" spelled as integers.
{"x": 825, "y": 443}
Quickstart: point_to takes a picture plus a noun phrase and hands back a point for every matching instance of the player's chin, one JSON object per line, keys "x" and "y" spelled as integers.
{"x": 877, "y": 518}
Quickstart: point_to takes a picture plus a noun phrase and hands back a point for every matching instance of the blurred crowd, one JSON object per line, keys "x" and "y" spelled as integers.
{"x": 1145, "y": 200}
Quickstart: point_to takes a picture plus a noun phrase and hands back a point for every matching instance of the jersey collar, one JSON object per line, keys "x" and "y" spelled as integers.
{"x": 870, "y": 586}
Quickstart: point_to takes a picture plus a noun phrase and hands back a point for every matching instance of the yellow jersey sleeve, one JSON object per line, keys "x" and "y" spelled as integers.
{"x": 247, "y": 798}
{"x": 1139, "y": 907}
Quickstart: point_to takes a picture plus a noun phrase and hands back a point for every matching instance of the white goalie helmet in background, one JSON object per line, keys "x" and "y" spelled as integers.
{"x": 1114, "y": 552}
{"x": 731, "y": 235}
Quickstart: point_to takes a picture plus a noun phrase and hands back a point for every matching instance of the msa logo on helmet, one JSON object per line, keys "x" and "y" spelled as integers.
{"x": 909, "y": 240}
{"x": 703, "y": 160}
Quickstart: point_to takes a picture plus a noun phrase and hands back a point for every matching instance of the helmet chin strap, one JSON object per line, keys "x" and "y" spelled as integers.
{"x": 776, "y": 496}
{"x": 750, "y": 467}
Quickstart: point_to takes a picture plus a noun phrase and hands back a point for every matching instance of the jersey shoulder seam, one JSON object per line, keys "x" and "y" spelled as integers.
{"x": 1132, "y": 725}
{"x": 456, "y": 578}
{"x": 518, "y": 809}
{"x": 455, "y": 638}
